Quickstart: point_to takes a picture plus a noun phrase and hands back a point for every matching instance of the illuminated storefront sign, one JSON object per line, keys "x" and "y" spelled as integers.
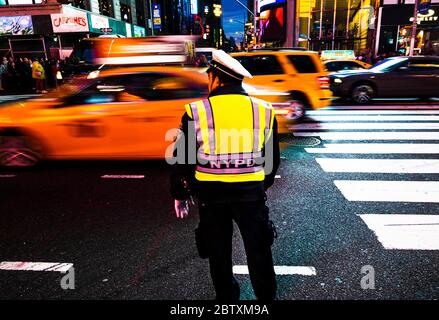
{"x": 430, "y": 16}
{"x": 69, "y": 23}
{"x": 194, "y": 6}
{"x": 18, "y": 25}
{"x": 423, "y": 7}
{"x": 128, "y": 30}
{"x": 139, "y": 31}
{"x": 217, "y": 10}
{"x": 157, "y": 18}
{"x": 99, "y": 22}
{"x": 337, "y": 54}
{"x": 18, "y": 2}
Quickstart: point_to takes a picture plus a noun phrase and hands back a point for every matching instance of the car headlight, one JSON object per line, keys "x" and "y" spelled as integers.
{"x": 93, "y": 74}
{"x": 337, "y": 80}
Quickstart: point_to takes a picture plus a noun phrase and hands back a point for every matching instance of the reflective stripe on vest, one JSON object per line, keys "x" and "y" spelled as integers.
{"x": 244, "y": 164}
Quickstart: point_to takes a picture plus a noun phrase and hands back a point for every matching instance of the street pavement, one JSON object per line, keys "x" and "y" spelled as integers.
{"x": 355, "y": 204}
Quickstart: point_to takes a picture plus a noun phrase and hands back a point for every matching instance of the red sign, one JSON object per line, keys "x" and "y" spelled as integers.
{"x": 70, "y": 22}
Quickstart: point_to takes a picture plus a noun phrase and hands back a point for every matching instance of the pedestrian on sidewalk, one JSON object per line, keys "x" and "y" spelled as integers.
{"x": 39, "y": 75}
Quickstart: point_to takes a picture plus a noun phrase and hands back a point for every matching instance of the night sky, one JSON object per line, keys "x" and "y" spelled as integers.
{"x": 233, "y": 10}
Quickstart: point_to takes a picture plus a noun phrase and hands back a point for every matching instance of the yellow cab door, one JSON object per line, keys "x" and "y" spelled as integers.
{"x": 305, "y": 66}
{"x": 148, "y": 112}
{"x": 77, "y": 126}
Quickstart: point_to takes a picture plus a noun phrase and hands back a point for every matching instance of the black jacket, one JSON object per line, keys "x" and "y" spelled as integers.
{"x": 184, "y": 185}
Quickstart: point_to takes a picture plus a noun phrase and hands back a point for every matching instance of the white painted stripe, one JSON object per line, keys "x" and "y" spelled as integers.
{"x": 277, "y": 177}
{"x": 112, "y": 176}
{"x": 280, "y": 270}
{"x": 35, "y": 266}
{"x": 370, "y": 112}
{"x": 7, "y": 175}
{"x": 355, "y": 135}
{"x": 389, "y": 191}
{"x": 388, "y": 107}
{"x": 365, "y": 126}
{"x": 377, "y": 148}
{"x": 405, "y": 231}
{"x": 379, "y": 165}
{"x": 375, "y": 118}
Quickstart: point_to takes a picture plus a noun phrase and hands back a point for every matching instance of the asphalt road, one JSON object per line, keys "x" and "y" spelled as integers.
{"x": 124, "y": 242}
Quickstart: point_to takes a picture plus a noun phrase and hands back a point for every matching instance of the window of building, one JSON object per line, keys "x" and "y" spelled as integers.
{"x": 140, "y": 13}
{"x": 83, "y": 4}
{"x": 125, "y": 13}
{"x": 106, "y": 8}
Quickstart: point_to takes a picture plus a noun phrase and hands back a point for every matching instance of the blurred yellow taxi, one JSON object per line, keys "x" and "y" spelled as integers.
{"x": 300, "y": 74}
{"x": 123, "y": 113}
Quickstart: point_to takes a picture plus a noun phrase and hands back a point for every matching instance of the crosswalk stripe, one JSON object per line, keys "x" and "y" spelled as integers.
{"x": 379, "y": 165}
{"x": 35, "y": 266}
{"x": 334, "y": 118}
{"x": 356, "y": 135}
{"x": 389, "y": 191}
{"x": 384, "y": 107}
{"x": 365, "y": 126}
{"x": 370, "y": 112}
{"x": 123, "y": 176}
{"x": 377, "y": 148}
{"x": 405, "y": 231}
{"x": 280, "y": 270}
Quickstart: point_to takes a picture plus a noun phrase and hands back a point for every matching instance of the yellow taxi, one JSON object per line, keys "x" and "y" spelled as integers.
{"x": 298, "y": 73}
{"x": 124, "y": 113}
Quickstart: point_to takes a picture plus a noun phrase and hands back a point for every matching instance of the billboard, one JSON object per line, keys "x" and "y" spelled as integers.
{"x": 156, "y": 15}
{"x": 139, "y": 31}
{"x": 18, "y": 25}
{"x": 63, "y": 23}
{"x": 272, "y": 25}
{"x": 194, "y": 6}
{"x": 263, "y": 4}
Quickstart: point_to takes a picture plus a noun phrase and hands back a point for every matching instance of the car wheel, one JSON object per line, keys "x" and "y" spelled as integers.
{"x": 18, "y": 151}
{"x": 299, "y": 110}
{"x": 300, "y": 106}
{"x": 362, "y": 93}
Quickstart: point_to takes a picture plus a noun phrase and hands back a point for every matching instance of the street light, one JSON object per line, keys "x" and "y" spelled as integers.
{"x": 231, "y": 21}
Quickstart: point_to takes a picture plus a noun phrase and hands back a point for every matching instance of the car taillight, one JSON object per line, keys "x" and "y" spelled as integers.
{"x": 323, "y": 82}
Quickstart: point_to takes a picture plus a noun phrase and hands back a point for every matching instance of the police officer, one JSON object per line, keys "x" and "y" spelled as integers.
{"x": 237, "y": 156}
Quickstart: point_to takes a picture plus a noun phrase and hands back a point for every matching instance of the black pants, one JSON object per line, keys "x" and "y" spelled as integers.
{"x": 252, "y": 220}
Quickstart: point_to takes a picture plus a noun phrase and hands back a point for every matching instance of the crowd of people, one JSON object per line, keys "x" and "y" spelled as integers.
{"x": 24, "y": 75}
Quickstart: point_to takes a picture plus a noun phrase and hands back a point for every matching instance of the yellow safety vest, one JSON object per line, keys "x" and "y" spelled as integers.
{"x": 231, "y": 131}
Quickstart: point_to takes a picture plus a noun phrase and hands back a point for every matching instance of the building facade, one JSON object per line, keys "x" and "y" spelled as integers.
{"x": 337, "y": 24}
{"x": 50, "y": 28}
{"x": 395, "y": 28}
{"x": 209, "y": 16}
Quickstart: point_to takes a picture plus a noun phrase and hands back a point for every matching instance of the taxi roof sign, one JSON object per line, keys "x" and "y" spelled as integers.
{"x": 338, "y": 55}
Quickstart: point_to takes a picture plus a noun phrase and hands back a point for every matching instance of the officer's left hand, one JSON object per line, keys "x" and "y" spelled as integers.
{"x": 181, "y": 208}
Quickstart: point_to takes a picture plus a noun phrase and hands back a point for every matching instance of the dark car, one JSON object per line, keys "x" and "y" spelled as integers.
{"x": 402, "y": 77}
